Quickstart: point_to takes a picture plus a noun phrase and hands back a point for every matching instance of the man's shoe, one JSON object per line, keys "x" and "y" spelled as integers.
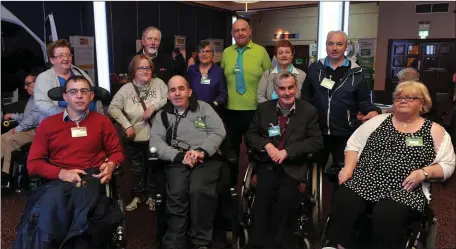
{"x": 151, "y": 203}
{"x": 5, "y": 178}
{"x": 134, "y": 204}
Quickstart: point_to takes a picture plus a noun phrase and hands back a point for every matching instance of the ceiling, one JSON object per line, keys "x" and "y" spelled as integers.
{"x": 259, "y": 5}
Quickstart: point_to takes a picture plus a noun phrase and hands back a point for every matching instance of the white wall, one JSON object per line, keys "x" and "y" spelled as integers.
{"x": 362, "y": 23}
{"x": 397, "y": 20}
{"x": 301, "y": 20}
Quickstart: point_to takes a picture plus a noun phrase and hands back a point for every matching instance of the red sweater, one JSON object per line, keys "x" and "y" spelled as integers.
{"x": 54, "y": 148}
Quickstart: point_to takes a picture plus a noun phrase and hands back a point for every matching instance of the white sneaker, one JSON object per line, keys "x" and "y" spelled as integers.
{"x": 134, "y": 204}
{"x": 151, "y": 202}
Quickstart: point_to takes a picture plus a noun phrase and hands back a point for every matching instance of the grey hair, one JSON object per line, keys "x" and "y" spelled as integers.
{"x": 205, "y": 43}
{"x": 337, "y": 32}
{"x": 150, "y": 28}
{"x": 408, "y": 74}
{"x": 284, "y": 75}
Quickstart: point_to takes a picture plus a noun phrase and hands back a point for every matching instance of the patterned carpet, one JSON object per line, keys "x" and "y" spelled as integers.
{"x": 141, "y": 223}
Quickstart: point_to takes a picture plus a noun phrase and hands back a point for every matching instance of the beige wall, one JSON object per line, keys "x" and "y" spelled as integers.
{"x": 396, "y": 20}
{"x": 362, "y": 23}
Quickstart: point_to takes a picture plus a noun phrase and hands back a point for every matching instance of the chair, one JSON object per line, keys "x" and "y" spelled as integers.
{"x": 309, "y": 210}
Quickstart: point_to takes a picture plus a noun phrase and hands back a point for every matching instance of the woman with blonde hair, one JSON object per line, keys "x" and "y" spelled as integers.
{"x": 388, "y": 160}
{"x": 132, "y": 107}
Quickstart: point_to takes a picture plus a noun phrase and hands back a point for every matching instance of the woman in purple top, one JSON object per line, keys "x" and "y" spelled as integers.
{"x": 207, "y": 79}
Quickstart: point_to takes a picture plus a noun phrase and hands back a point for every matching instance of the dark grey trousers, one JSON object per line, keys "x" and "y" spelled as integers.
{"x": 191, "y": 203}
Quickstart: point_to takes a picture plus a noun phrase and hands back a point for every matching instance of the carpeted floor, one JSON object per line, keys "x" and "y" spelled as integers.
{"x": 141, "y": 222}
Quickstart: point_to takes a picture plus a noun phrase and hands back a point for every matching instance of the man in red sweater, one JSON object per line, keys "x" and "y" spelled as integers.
{"x": 67, "y": 143}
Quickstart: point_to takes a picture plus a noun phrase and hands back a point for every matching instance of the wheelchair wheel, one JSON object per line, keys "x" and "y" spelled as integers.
{"x": 317, "y": 194}
{"x": 245, "y": 204}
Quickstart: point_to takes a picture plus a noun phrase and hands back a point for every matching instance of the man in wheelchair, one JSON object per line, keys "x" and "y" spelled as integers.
{"x": 194, "y": 134}
{"x": 282, "y": 133}
{"x": 76, "y": 152}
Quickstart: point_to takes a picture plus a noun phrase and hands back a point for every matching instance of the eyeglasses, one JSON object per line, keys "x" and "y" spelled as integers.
{"x": 144, "y": 69}
{"x": 62, "y": 56}
{"x": 406, "y": 98}
{"x": 74, "y": 91}
{"x": 205, "y": 51}
{"x": 27, "y": 84}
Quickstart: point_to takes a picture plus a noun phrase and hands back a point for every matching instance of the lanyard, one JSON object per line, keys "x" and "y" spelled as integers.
{"x": 178, "y": 119}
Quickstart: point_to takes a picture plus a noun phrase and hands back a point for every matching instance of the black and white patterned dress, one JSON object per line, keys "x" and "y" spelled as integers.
{"x": 386, "y": 161}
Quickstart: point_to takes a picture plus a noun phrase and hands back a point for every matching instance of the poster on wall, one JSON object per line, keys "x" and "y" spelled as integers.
{"x": 179, "y": 42}
{"x": 366, "y": 60}
{"x": 218, "y": 46}
{"x": 312, "y": 53}
{"x": 84, "y": 54}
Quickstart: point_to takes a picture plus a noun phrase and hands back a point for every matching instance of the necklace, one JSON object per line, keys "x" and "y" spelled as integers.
{"x": 404, "y": 124}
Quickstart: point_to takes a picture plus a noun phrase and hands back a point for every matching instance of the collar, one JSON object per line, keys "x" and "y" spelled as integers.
{"x": 249, "y": 46}
{"x": 153, "y": 57}
{"x": 291, "y": 110}
{"x": 169, "y": 107}
{"x": 66, "y": 117}
{"x": 346, "y": 63}
{"x": 209, "y": 70}
{"x": 292, "y": 69}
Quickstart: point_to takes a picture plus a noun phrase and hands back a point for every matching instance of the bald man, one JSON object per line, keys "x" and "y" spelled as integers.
{"x": 243, "y": 64}
{"x": 408, "y": 74}
{"x": 336, "y": 86}
{"x": 193, "y": 170}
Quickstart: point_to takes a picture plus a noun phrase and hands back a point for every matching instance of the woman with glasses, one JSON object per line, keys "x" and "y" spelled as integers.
{"x": 59, "y": 53}
{"x": 207, "y": 79}
{"x": 132, "y": 107}
{"x": 388, "y": 161}
{"x": 284, "y": 52}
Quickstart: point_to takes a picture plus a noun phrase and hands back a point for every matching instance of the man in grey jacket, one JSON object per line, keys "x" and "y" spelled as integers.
{"x": 190, "y": 143}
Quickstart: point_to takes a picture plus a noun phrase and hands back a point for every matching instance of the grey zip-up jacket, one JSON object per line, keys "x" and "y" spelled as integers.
{"x": 127, "y": 110}
{"x": 45, "y": 82}
{"x": 208, "y": 136}
{"x": 266, "y": 85}
{"x": 337, "y": 113}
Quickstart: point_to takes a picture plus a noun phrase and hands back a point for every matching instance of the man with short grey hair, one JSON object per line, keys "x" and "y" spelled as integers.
{"x": 163, "y": 63}
{"x": 408, "y": 74}
{"x": 336, "y": 86}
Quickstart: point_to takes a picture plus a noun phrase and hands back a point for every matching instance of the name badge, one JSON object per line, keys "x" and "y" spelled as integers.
{"x": 274, "y": 131}
{"x": 205, "y": 81}
{"x": 78, "y": 132}
{"x": 199, "y": 123}
{"x": 237, "y": 70}
{"x": 327, "y": 83}
{"x": 414, "y": 141}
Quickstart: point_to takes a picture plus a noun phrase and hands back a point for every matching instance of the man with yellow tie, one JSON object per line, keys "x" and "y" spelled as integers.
{"x": 243, "y": 64}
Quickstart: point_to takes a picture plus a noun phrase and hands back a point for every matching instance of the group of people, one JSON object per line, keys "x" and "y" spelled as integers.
{"x": 281, "y": 112}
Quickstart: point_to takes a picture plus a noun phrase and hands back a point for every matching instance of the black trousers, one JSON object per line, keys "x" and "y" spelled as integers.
{"x": 143, "y": 178}
{"x": 191, "y": 203}
{"x": 274, "y": 219}
{"x": 389, "y": 219}
{"x": 335, "y": 145}
{"x": 238, "y": 123}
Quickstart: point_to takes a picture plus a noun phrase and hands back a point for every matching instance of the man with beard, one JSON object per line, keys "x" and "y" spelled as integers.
{"x": 163, "y": 63}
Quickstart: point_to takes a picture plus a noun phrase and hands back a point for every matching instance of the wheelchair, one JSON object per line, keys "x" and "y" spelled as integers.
{"x": 308, "y": 213}
{"x": 22, "y": 180}
{"x": 420, "y": 233}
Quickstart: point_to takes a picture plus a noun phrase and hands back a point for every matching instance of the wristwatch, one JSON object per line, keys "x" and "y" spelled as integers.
{"x": 426, "y": 175}
{"x": 202, "y": 152}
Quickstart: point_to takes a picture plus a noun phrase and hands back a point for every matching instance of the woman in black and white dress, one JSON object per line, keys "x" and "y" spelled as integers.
{"x": 387, "y": 162}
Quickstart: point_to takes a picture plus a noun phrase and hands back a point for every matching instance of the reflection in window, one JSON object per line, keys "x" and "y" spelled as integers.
{"x": 430, "y": 49}
{"x": 413, "y": 49}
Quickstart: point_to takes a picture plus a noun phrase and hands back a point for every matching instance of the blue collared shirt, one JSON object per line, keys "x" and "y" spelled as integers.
{"x": 215, "y": 90}
{"x": 346, "y": 63}
{"x": 66, "y": 117}
{"x": 30, "y": 118}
